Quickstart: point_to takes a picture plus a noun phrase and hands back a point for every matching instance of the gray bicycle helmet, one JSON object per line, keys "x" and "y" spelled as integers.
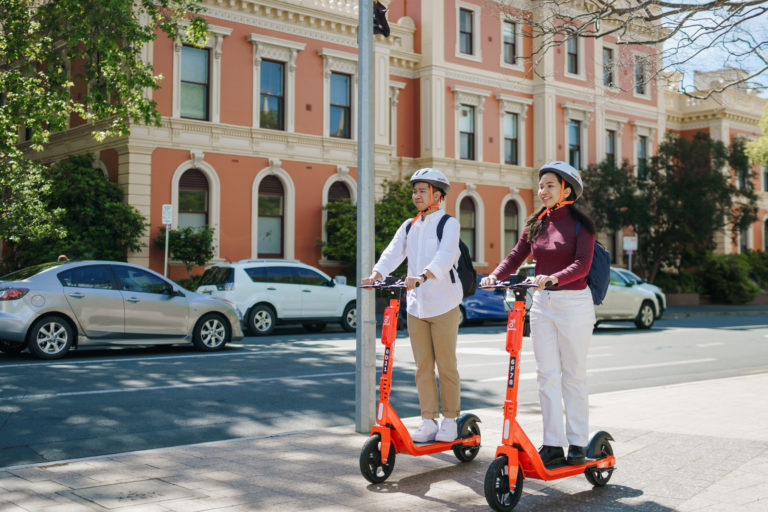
{"x": 432, "y": 176}
{"x": 566, "y": 172}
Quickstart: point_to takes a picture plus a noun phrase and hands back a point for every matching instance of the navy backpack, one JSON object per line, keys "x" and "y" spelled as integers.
{"x": 599, "y": 276}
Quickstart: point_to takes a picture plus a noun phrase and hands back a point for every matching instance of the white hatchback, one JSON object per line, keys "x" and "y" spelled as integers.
{"x": 272, "y": 291}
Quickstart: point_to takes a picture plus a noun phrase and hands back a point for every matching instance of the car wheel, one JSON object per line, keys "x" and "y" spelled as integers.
{"x": 211, "y": 333}
{"x": 646, "y": 315}
{"x": 349, "y": 317}
{"x": 10, "y": 347}
{"x": 462, "y": 316}
{"x": 261, "y": 320}
{"x": 50, "y": 337}
{"x": 314, "y": 327}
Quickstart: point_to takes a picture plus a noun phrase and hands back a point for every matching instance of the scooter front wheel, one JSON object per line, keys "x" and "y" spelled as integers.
{"x": 497, "y": 492}
{"x": 370, "y": 460}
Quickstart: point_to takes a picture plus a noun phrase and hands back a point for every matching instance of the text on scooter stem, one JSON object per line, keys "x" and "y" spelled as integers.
{"x": 511, "y": 382}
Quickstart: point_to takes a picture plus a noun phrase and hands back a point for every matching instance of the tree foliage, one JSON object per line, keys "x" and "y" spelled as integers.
{"x": 46, "y": 48}
{"x": 390, "y": 212}
{"x": 90, "y": 219}
{"x": 676, "y": 34}
{"x": 191, "y": 246}
{"x": 685, "y": 200}
{"x": 757, "y": 149}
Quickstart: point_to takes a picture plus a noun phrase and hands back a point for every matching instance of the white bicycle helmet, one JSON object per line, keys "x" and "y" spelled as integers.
{"x": 432, "y": 176}
{"x": 566, "y": 172}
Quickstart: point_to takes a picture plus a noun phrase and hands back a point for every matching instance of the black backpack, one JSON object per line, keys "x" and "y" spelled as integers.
{"x": 599, "y": 276}
{"x": 464, "y": 268}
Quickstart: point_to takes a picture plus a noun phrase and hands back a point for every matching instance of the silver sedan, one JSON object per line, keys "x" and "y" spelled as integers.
{"x": 52, "y": 307}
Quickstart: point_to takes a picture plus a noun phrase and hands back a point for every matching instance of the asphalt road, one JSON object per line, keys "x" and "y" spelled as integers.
{"x": 97, "y": 402}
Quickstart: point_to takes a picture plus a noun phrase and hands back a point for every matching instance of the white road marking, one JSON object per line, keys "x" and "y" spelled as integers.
{"x": 713, "y": 344}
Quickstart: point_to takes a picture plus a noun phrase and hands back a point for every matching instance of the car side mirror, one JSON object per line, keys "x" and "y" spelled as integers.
{"x": 340, "y": 280}
{"x": 331, "y": 283}
{"x": 175, "y": 292}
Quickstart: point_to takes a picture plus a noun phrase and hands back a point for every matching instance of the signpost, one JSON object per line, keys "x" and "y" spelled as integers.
{"x": 630, "y": 246}
{"x": 167, "y": 220}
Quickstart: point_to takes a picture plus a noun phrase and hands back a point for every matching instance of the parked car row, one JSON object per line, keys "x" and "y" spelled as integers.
{"x": 53, "y": 307}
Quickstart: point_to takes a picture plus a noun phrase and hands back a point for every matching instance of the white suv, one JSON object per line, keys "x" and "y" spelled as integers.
{"x": 272, "y": 291}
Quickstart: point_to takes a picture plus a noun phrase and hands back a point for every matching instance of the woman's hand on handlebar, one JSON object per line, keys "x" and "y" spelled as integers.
{"x": 367, "y": 281}
{"x": 544, "y": 281}
{"x": 488, "y": 280}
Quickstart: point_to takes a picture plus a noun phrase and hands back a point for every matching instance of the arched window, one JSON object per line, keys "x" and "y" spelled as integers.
{"x": 511, "y": 232}
{"x": 467, "y": 221}
{"x": 339, "y": 192}
{"x": 193, "y": 199}
{"x": 271, "y": 209}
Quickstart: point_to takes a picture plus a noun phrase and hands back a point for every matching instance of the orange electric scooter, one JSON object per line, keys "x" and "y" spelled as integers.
{"x": 516, "y": 457}
{"x": 389, "y": 436}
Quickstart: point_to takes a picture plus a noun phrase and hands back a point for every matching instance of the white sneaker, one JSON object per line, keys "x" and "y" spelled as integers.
{"x": 426, "y": 432}
{"x": 448, "y": 430}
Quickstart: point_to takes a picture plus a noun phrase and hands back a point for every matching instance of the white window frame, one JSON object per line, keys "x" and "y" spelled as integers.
{"x": 581, "y": 113}
{"x": 470, "y": 191}
{"x": 750, "y": 243}
{"x": 289, "y": 208}
{"x": 279, "y": 50}
{"x": 342, "y": 175}
{"x": 335, "y": 61}
{"x": 519, "y": 106}
{"x": 214, "y": 44}
{"x": 617, "y": 125}
{"x": 518, "y": 65}
{"x": 475, "y": 98}
{"x": 394, "y": 94}
{"x": 647, "y": 85}
{"x": 581, "y": 59}
{"x": 522, "y": 214}
{"x": 645, "y": 129}
{"x": 214, "y": 194}
{"x": 614, "y": 68}
{"x": 476, "y": 48}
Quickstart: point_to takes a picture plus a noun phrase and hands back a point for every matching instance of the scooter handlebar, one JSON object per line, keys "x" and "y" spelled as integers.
{"x": 527, "y": 283}
{"x": 384, "y": 284}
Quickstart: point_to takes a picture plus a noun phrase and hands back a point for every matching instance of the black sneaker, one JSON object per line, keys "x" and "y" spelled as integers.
{"x": 576, "y": 455}
{"x": 551, "y": 455}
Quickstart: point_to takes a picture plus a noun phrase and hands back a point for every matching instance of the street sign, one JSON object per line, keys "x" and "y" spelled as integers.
{"x": 167, "y": 214}
{"x": 630, "y": 243}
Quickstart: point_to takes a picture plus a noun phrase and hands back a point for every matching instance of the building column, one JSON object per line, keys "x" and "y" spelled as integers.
{"x": 134, "y": 175}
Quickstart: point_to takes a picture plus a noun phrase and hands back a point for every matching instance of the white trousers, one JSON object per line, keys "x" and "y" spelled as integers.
{"x": 561, "y": 329}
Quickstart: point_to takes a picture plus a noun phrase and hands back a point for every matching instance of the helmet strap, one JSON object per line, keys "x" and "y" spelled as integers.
{"x": 430, "y": 205}
{"x": 559, "y": 202}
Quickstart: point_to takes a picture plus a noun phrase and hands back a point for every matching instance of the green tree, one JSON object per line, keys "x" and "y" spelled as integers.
{"x": 685, "y": 201}
{"x": 191, "y": 246}
{"x": 45, "y": 47}
{"x": 757, "y": 149}
{"x": 341, "y": 227}
{"x": 90, "y": 219}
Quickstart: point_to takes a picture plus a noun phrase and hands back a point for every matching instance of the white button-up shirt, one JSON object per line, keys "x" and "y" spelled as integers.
{"x": 436, "y": 295}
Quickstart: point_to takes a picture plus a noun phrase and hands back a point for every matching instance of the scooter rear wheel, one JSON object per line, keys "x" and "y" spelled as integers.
{"x": 600, "y": 476}
{"x": 497, "y": 492}
{"x": 370, "y": 460}
{"x": 467, "y": 453}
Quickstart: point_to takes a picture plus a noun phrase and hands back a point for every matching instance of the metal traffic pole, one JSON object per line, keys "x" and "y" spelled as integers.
{"x": 365, "y": 367}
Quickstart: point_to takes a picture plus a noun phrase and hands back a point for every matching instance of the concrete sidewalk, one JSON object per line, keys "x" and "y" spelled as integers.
{"x": 700, "y": 446}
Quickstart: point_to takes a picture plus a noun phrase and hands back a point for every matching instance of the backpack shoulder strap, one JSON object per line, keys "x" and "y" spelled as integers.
{"x": 441, "y": 226}
{"x": 408, "y": 226}
{"x": 578, "y": 225}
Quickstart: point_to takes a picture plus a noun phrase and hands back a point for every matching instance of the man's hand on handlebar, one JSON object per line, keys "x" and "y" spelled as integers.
{"x": 488, "y": 280}
{"x": 412, "y": 282}
{"x": 371, "y": 279}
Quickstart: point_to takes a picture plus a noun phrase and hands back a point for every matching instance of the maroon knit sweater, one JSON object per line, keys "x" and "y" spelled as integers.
{"x": 558, "y": 251}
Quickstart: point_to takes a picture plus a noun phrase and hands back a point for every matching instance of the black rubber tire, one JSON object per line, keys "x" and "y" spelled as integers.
{"x": 261, "y": 320}
{"x": 646, "y": 316}
{"x": 50, "y": 337}
{"x": 467, "y": 453}
{"x": 497, "y": 492}
{"x": 370, "y": 460}
{"x": 314, "y": 326}
{"x": 595, "y": 476}
{"x": 212, "y": 333}
{"x": 10, "y": 347}
{"x": 349, "y": 317}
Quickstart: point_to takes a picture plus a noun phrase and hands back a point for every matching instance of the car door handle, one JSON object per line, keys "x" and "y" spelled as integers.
{"x": 132, "y": 300}
{"x": 271, "y": 289}
{"x": 307, "y": 291}
{"x": 77, "y": 295}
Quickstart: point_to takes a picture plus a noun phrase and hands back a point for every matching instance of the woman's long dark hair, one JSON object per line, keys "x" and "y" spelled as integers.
{"x": 534, "y": 224}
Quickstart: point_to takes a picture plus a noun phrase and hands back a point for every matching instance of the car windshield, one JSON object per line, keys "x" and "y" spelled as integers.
{"x": 27, "y": 272}
{"x": 217, "y": 275}
{"x": 631, "y": 276}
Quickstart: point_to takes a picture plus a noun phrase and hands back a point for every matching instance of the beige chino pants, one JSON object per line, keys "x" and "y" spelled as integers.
{"x": 433, "y": 341}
